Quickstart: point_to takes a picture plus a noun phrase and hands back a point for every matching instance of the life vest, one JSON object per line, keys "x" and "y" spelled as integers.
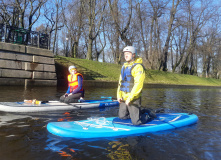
{"x": 73, "y": 81}
{"x": 127, "y": 81}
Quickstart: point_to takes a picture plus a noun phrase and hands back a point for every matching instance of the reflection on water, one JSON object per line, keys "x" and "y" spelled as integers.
{"x": 27, "y": 138}
{"x": 118, "y": 150}
{"x": 183, "y": 99}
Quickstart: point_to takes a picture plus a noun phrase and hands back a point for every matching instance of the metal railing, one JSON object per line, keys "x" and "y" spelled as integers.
{"x": 10, "y": 34}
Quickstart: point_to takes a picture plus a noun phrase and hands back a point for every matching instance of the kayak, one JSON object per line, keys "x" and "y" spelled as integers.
{"x": 113, "y": 126}
{"x": 55, "y": 105}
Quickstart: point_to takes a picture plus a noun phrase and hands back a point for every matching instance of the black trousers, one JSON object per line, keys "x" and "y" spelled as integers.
{"x": 133, "y": 111}
{"x": 71, "y": 99}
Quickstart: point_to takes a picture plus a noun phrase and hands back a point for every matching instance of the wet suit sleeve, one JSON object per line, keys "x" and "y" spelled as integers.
{"x": 119, "y": 95}
{"x": 68, "y": 91}
{"x": 139, "y": 76}
{"x": 80, "y": 84}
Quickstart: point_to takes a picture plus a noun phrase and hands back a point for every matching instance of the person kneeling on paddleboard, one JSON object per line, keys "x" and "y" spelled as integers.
{"x": 130, "y": 86}
{"x": 75, "y": 87}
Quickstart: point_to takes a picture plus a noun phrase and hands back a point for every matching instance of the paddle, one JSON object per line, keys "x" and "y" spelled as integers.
{"x": 109, "y": 98}
{"x": 106, "y": 97}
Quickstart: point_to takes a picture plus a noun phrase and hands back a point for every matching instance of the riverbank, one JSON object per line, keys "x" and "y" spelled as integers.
{"x": 100, "y": 73}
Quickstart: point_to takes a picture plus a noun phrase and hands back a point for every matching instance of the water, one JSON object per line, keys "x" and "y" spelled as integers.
{"x": 24, "y": 136}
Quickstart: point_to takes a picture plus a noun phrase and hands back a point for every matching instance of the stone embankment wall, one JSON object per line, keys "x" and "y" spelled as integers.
{"x": 24, "y": 65}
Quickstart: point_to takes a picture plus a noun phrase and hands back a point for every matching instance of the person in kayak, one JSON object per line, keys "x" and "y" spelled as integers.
{"x": 129, "y": 89}
{"x": 75, "y": 87}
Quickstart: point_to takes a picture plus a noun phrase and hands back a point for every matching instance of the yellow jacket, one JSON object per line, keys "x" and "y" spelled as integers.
{"x": 139, "y": 75}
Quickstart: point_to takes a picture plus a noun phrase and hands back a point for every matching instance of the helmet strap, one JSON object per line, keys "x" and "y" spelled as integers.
{"x": 133, "y": 57}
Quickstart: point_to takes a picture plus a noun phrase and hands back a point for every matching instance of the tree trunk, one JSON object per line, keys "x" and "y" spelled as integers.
{"x": 56, "y": 29}
{"x": 75, "y": 49}
{"x": 92, "y": 32}
{"x": 121, "y": 32}
{"x": 89, "y": 49}
{"x": 166, "y": 46}
{"x": 118, "y": 54}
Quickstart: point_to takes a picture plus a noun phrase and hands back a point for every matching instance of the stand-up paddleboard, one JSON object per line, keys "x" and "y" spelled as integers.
{"x": 110, "y": 127}
{"x": 55, "y": 105}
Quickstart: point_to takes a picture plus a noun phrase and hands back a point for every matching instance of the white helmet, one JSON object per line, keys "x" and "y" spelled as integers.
{"x": 130, "y": 49}
{"x": 71, "y": 67}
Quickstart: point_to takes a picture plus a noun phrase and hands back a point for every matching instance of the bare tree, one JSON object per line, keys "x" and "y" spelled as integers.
{"x": 123, "y": 31}
{"x": 210, "y": 53}
{"x": 73, "y": 16}
{"x": 53, "y": 14}
{"x": 173, "y": 11}
{"x": 180, "y": 39}
{"x": 94, "y": 11}
{"x": 152, "y": 46}
{"x": 122, "y": 16}
{"x": 8, "y": 13}
{"x": 199, "y": 16}
{"x": 103, "y": 45}
{"x": 29, "y": 8}
{"x": 141, "y": 16}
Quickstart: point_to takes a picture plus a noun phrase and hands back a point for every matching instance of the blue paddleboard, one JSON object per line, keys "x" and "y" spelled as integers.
{"x": 113, "y": 126}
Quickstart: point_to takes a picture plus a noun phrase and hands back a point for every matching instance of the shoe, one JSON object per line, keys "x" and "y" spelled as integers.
{"x": 161, "y": 110}
{"x": 149, "y": 112}
{"x": 81, "y": 100}
{"x": 152, "y": 115}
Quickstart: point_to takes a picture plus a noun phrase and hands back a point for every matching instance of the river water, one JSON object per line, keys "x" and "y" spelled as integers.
{"x": 25, "y": 137}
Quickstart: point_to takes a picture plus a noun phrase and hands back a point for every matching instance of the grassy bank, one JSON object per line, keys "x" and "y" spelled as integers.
{"x": 93, "y": 70}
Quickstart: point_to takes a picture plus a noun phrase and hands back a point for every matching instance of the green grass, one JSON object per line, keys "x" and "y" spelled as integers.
{"x": 93, "y": 70}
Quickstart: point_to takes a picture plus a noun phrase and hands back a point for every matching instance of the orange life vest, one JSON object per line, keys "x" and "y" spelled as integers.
{"x": 73, "y": 81}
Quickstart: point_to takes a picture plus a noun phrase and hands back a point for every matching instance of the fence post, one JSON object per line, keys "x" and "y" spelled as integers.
{"x": 49, "y": 40}
{"x": 5, "y": 30}
{"x": 31, "y": 37}
{"x": 38, "y": 39}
